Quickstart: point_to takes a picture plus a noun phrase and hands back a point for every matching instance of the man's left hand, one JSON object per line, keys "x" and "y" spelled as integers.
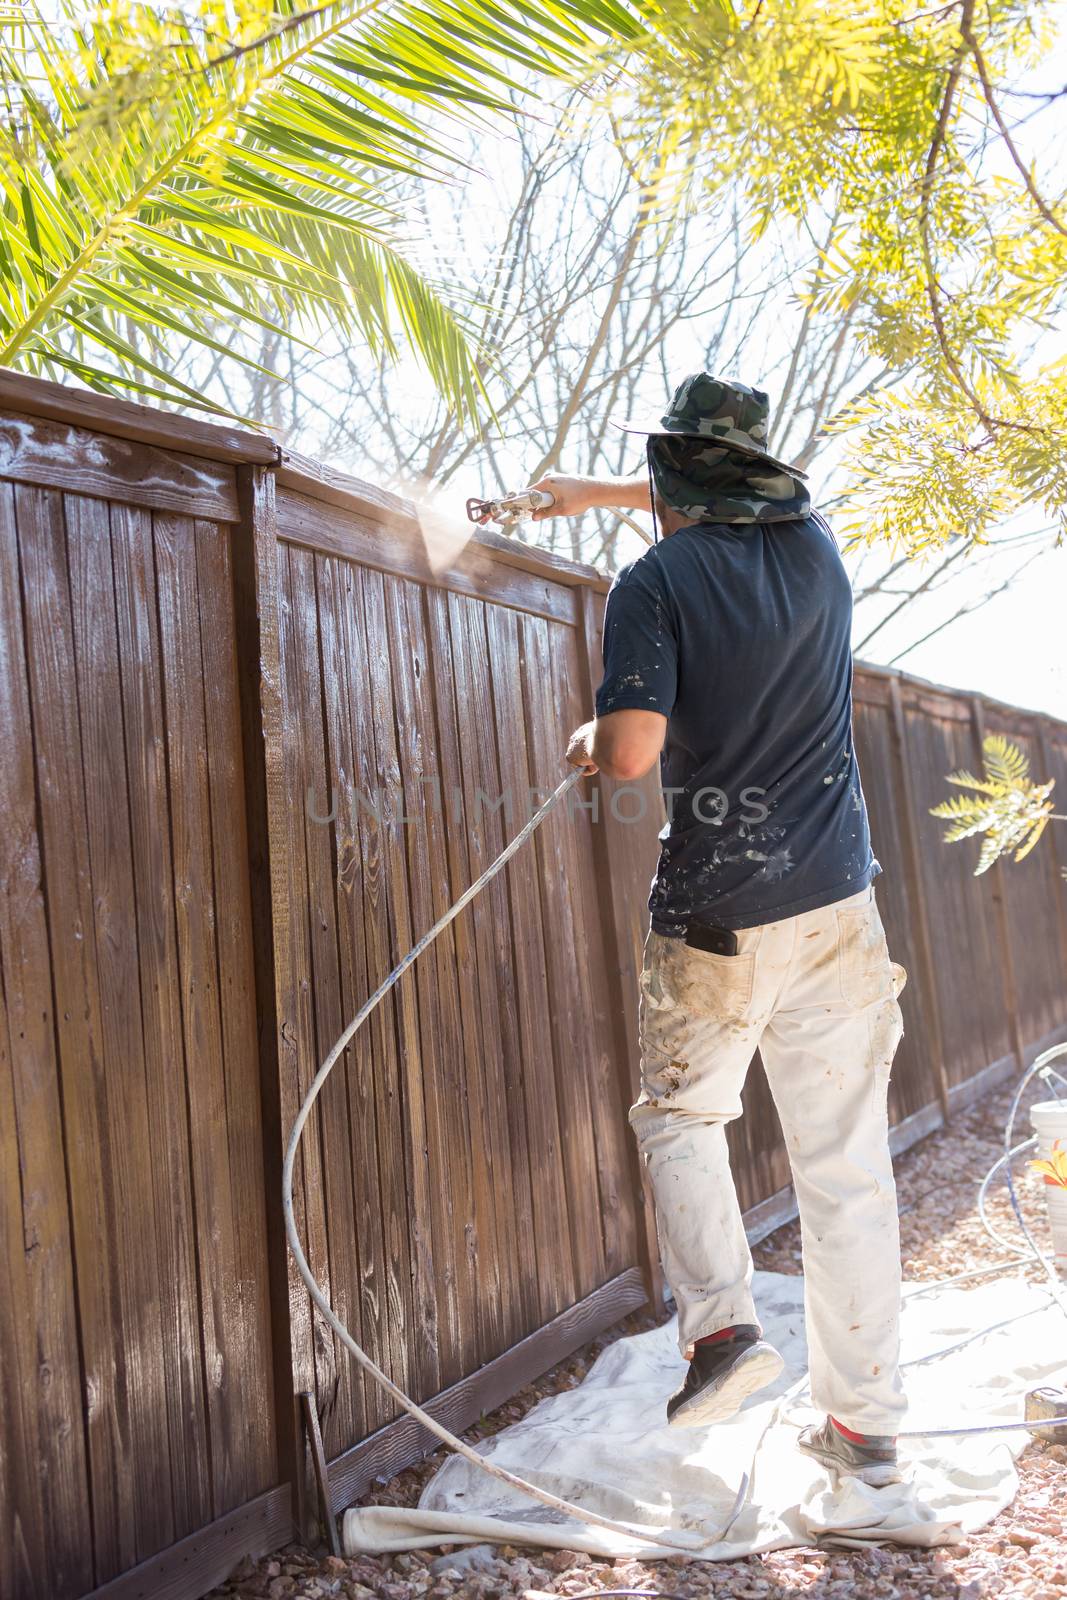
{"x": 580, "y": 747}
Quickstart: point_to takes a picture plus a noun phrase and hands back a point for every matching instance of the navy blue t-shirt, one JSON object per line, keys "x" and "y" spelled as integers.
{"x": 739, "y": 634}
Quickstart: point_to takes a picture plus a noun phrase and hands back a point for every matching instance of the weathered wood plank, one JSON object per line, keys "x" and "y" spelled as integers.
{"x": 410, "y": 1124}
{"x": 613, "y": 1141}
{"x": 196, "y": 912}
{"x": 314, "y": 1356}
{"x": 97, "y": 1228}
{"x": 912, "y": 870}
{"x": 439, "y": 531}
{"x": 141, "y": 1381}
{"x": 542, "y": 1156}
{"x": 1005, "y": 952}
{"x": 335, "y": 582}
{"x": 62, "y": 402}
{"x": 140, "y": 670}
{"x": 623, "y": 858}
{"x": 480, "y": 788}
{"x": 495, "y": 819}
{"x": 59, "y": 456}
{"x": 45, "y": 1535}
{"x": 207, "y": 1557}
{"x": 250, "y": 1427}
{"x": 563, "y": 957}
{"x": 340, "y": 1402}
{"x": 380, "y": 1038}
{"x": 465, "y": 1024}
{"x": 401, "y": 549}
{"x": 447, "y": 1155}
{"x": 255, "y": 589}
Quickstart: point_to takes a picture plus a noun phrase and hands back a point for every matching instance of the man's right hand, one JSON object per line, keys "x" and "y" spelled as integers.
{"x": 570, "y": 496}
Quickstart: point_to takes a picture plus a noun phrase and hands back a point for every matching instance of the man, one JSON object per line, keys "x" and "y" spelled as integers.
{"x": 727, "y": 655}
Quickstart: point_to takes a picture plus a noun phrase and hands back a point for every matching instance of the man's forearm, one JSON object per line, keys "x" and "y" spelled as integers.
{"x": 574, "y": 496}
{"x": 623, "y": 494}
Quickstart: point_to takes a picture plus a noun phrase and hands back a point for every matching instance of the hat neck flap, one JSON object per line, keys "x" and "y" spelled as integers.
{"x": 711, "y": 484}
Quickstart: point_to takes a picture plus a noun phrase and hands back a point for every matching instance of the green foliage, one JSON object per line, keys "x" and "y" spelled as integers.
{"x": 164, "y": 171}
{"x": 948, "y": 253}
{"x": 1004, "y": 805}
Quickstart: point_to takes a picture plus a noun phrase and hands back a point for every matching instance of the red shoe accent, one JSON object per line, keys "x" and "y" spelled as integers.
{"x": 853, "y": 1437}
{"x": 714, "y": 1338}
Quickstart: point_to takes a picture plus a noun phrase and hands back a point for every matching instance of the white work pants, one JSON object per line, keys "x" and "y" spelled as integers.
{"x": 817, "y": 993}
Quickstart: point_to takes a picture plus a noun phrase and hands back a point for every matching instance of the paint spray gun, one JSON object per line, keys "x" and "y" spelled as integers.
{"x": 508, "y": 509}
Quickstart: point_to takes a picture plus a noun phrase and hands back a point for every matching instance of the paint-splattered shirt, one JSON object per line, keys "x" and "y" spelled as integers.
{"x": 740, "y": 635}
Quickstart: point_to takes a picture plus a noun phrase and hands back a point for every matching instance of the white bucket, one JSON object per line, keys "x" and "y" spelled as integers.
{"x": 1049, "y": 1121}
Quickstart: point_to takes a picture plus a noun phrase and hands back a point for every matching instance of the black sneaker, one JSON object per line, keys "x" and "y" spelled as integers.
{"x": 873, "y": 1459}
{"x": 721, "y": 1377}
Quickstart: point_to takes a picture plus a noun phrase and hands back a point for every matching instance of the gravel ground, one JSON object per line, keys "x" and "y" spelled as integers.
{"x": 1022, "y": 1553}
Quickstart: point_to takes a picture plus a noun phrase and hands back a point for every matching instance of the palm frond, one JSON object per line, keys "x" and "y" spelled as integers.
{"x": 158, "y": 180}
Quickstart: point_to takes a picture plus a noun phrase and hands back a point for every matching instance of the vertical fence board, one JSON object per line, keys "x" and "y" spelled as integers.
{"x": 552, "y": 1275}
{"x": 960, "y": 909}
{"x": 622, "y": 858}
{"x": 478, "y": 786}
{"x": 253, "y": 542}
{"x": 45, "y": 1535}
{"x": 249, "y": 1428}
{"x": 475, "y": 1019}
{"x": 607, "y": 1109}
{"x": 448, "y": 1196}
{"x": 903, "y": 894}
{"x": 357, "y": 1072}
{"x": 340, "y": 1407}
{"x": 197, "y": 922}
{"x": 97, "y": 1229}
{"x": 416, "y": 1248}
{"x": 140, "y": 1380}
{"x": 146, "y": 776}
{"x": 1053, "y": 766}
{"x": 314, "y": 1354}
{"x": 564, "y": 956}
{"x": 389, "y": 1026}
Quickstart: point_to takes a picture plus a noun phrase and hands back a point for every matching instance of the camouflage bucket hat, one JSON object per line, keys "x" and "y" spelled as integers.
{"x": 720, "y": 410}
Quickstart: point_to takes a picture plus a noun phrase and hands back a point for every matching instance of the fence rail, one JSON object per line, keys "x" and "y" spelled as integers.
{"x": 222, "y": 666}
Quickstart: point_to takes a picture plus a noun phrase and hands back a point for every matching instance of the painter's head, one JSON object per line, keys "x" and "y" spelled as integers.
{"x": 708, "y": 457}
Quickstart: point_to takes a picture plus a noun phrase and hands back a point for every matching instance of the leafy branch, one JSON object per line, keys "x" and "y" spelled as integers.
{"x": 1004, "y": 804}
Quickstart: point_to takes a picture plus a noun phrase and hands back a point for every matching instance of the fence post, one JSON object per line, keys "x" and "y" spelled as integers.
{"x": 996, "y": 873}
{"x": 255, "y": 585}
{"x": 615, "y": 914}
{"x": 914, "y": 869}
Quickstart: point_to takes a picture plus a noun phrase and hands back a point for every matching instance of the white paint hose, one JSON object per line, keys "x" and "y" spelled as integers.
{"x": 554, "y": 1502}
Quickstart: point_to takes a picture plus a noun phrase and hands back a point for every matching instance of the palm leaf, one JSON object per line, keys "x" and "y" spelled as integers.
{"x": 146, "y": 164}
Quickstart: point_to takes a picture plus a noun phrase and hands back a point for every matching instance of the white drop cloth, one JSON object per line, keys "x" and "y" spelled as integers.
{"x": 606, "y": 1446}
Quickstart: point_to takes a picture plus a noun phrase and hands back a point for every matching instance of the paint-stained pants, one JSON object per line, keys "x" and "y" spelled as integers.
{"x": 817, "y": 993}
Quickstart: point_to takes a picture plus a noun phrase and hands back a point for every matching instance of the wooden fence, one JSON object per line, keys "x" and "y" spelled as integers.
{"x": 259, "y": 729}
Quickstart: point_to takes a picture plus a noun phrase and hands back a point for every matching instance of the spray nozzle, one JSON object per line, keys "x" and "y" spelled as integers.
{"x": 509, "y": 508}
